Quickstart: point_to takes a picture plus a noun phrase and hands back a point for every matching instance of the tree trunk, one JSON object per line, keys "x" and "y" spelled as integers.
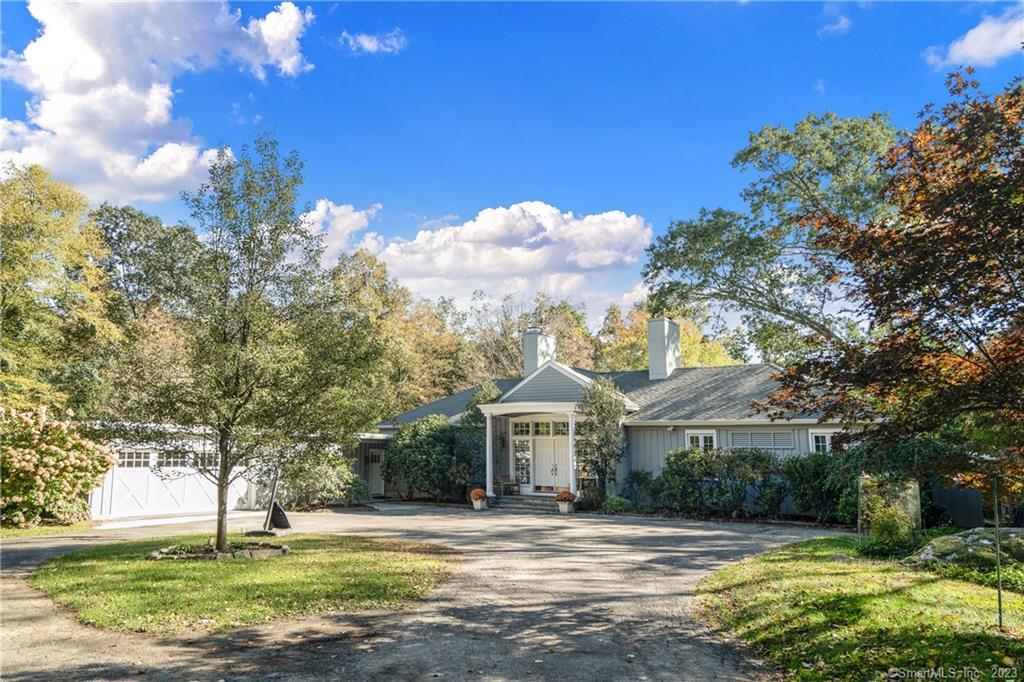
{"x": 223, "y": 475}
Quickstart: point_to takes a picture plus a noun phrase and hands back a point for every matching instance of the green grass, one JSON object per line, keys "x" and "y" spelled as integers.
{"x": 822, "y": 619}
{"x": 116, "y": 586}
{"x": 35, "y": 531}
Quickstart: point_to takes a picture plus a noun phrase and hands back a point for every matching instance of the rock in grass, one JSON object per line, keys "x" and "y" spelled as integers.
{"x": 975, "y": 548}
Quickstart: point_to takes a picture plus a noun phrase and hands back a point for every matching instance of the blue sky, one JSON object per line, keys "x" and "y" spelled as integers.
{"x": 415, "y": 118}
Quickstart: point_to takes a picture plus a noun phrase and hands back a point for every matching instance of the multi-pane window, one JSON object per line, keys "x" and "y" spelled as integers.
{"x": 542, "y": 428}
{"x": 172, "y": 460}
{"x": 521, "y": 459}
{"x": 821, "y": 441}
{"x": 561, "y": 428}
{"x": 704, "y": 441}
{"x": 520, "y": 428}
{"x": 133, "y": 458}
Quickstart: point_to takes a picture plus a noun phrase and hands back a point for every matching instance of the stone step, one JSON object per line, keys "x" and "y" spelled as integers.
{"x": 526, "y": 503}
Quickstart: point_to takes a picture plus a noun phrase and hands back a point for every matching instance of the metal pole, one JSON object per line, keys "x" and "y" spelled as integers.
{"x": 860, "y": 509}
{"x": 273, "y": 498}
{"x": 999, "y": 575}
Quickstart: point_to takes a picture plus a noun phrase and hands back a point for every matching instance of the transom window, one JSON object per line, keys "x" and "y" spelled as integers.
{"x": 542, "y": 429}
{"x": 134, "y": 458}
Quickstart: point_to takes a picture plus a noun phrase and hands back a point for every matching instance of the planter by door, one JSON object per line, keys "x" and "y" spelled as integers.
{"x": 479, "y": 505}
{"x": 565, "y": 507}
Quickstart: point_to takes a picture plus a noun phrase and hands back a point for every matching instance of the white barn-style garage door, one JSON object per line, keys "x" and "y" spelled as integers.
{"x": 136, "y": 487}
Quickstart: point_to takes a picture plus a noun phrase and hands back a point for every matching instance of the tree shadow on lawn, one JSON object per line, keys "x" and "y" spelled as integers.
{"x": 848, "y": 631}
{"x": 504, "y": 641}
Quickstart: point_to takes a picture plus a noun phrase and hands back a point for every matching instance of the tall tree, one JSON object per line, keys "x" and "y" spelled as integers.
{"x": 148, "y": 263}
{"x": 765, "y": 263}
{"x": 53, "y": 313}
{"x": 600, "y": 443}
{"x": 621, "y": 343}
{"x": 942, "y": 280}
{"x": 496, "y": 330}
{"x": 272, "y": 350}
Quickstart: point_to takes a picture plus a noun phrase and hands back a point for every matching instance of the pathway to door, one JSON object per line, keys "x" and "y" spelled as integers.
{"x": 533, "y": 597}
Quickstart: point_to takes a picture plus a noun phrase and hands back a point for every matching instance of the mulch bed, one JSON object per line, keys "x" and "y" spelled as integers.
{"x": 207, "y": 551}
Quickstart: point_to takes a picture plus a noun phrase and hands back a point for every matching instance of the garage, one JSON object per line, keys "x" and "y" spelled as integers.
{"x": 149, "y": 483}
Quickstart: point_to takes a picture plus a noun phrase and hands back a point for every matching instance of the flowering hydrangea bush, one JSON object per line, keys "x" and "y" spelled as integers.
{"x": 46, "y": 468}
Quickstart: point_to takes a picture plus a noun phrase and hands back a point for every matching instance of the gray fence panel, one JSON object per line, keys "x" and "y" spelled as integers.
{"x": 962, "y": 504}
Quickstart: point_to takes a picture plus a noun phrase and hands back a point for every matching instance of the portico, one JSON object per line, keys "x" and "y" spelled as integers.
{"x": 539, "y": 442}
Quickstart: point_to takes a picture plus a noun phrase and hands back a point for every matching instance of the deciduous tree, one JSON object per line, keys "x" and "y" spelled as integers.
{"x": 53, "y": 312}
{"x": 941, "y": 280}
{"x": 765, "y": 262}
{"x": 272, "y": 351}
{"x": 600, "y": 443}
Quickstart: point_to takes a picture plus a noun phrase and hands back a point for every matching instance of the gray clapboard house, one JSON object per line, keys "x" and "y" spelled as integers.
{"x": 531, "y": 430}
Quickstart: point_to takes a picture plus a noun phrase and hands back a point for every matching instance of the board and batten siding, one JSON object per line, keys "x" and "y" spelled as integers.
{"x": 646, "y": 446}
{"x": 549, "y": 386}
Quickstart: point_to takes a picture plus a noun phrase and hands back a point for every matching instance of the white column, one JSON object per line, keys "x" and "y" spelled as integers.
{"x": 489, "y": 457}
{"x": 573, "y": 471}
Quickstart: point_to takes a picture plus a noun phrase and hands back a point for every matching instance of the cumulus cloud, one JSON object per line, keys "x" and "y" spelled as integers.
{"x": 338, "y": 223}
{"x": 992, "y": 40}
{"x": 100, "y": 77}
{"x": 391, "y": 42}
{"x": 837, "y": 23}
{"x": 519, "y": 249}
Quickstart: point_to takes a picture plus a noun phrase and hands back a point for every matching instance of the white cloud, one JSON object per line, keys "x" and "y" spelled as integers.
{"x": 339, "y": 223}
{"x": 820, "y": 86}
{"x": 519, "y": 249}
{"x": 100, "y": 77}
{"x": 391, "y": 42}
{"x": 995, "y": 38}
{"x": 837, "y": 22}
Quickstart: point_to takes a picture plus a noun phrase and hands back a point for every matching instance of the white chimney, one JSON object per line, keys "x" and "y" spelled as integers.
{"x": 538, "y": 348}
{"x": 662, "y": 347}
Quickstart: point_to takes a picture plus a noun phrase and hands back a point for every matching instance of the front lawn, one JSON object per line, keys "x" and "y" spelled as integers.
{"x": 44, "y": 529}
{"x": 823, "y": 616}
{"x": 116, "y": 586}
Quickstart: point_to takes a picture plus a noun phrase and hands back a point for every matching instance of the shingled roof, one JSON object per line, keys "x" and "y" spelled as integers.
{"x": 689, "y": 394}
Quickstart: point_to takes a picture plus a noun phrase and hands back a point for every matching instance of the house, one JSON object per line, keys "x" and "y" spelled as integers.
{"x": 531, "y": 430}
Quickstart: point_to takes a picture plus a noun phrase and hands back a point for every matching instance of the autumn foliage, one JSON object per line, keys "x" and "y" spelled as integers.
{"x": 939, "y": 280}
{"x": 47, "y": 468}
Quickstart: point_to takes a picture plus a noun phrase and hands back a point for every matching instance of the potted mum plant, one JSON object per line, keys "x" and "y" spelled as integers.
{"x": 479, "y": 497}
{"x": 565, "y": 500}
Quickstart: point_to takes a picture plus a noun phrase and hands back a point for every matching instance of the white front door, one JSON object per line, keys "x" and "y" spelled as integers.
{"x": 551, "y": 462}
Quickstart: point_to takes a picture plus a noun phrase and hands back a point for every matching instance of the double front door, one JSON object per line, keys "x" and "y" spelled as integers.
{"x": 550, "y": 464}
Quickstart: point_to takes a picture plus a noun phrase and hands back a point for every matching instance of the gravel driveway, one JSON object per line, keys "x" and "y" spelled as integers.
{"x": 532, "y": 597}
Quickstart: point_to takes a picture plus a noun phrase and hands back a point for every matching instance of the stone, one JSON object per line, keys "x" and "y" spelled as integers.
{"x": 975, "y": 547}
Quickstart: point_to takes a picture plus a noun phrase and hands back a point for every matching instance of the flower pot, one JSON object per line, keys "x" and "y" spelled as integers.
{"x": 565, "y": 507}
{"x": 479, "y": 505}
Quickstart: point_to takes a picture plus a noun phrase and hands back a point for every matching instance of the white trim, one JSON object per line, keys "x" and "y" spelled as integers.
{"x": 374, "y": 436}
{"x": 702, "y": 432}
{"x": 811, "y": 433}
{"x": 526, "y": 408}
{"x": 570, "y": 373}
{"x": 720, "y": 422}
